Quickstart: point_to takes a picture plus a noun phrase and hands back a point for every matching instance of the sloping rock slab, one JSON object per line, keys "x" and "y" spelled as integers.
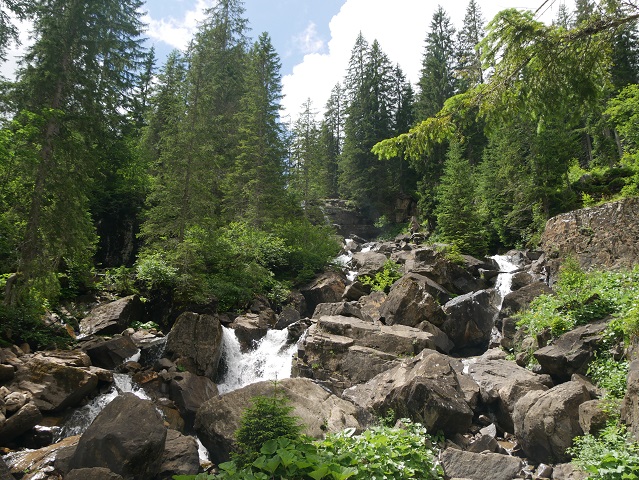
{"x": 113, "y": 317}
{"x": 476, "y": 466}
{"x": 571, "y": 352}
{"x": 469, "y": 319}
{"x": 318, "y": 410}
{"x": 127, "y": 437}
{"x": 196, "y": 341}
{"x": 546, "y": 422}
{"x": 425, "y": 389}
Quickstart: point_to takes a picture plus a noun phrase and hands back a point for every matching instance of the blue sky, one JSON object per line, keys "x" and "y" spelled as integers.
{"x": 314, "y": 38}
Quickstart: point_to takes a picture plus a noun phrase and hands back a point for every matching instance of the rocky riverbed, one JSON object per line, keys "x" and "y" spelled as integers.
{"x": 434, "y": 348}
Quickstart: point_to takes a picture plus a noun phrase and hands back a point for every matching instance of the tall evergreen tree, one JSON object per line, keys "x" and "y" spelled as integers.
{"x": 8, "y": 31}
{"x": 332, "y": 137}
{"x": 469, "y": 68}
{"x": 75, "y": 80}
{"x": 308, "y": 174}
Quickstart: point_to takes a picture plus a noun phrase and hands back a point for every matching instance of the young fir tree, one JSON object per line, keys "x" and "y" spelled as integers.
{"x": 332, "y": 138}
{"x": 458, "y": 218}
{"x": 308, "y": 173}
{"x": 74, "y": 83}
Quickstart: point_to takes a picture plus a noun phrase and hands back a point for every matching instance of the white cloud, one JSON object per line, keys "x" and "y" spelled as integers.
{"x": 15, "y": 51}
{"x": 309, "y": 41}
{"x": 177, "y": 32}
{"x": 400, "y": 27}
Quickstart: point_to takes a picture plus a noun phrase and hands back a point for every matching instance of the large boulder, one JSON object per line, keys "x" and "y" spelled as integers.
{"x": 27, "y": 417}
{"x": 426, "y": 389}
{"x": 127, "y": 437}
{"x": 189, "y": 392}
{"x": 35, "y": 464}
{"x": 249, "y": 329}
{"x": 603, "y": 237}
{"x": 475, "y": 466}
{"x": 53, "y": 381}
{"x": 317, "y": 410}
{"x": 114, "y": 317}
{"x": 368, "y": 263}
{"x": 195, "y": 342}
{"x": 502, "y": 383}
{"x": 433, "y": 263}
{"x": 180, "y": 456}
{"x": 412, "y": 300}
{"x": 327, "y": 288}
{"x": 110, "y": 353}
{"x": 469, "y": 319}
{"x": 546, "y": 422}
{"x": 571, "y": 352}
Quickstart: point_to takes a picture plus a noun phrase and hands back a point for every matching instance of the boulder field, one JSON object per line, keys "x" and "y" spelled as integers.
{"x": 433, "y": 348}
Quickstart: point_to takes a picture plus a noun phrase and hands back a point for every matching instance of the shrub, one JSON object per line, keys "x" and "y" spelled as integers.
{"x": 383, "y": 280}
{"x": 155, "y": 271}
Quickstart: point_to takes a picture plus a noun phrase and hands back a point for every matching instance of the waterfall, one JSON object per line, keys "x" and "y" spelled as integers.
{"x": 505, "y": 278}
{"x": 269, "y": 360}
{"x": 81, "y": 418}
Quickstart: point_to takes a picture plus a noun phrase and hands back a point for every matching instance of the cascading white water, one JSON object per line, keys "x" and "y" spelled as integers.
{"x": 504, "y": 280}
{"x": 270, "y": 360}
{"x": 84, "y": 416}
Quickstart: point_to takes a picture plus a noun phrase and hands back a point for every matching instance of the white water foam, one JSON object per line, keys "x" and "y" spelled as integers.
{"x": 271, "y": 359}
{"x": 504, "y": 280}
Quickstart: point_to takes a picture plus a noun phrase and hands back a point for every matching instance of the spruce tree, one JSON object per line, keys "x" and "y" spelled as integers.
{"x": 332, "y": 138}
{"x": 469, "y": 68}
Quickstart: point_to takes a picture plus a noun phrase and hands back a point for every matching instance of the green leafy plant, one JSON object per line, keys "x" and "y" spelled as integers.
{"x": 609, "y": 374}
{"x": 383, "y": 280}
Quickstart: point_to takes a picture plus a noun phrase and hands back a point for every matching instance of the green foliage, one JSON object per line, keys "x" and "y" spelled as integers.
{"x": 119, "y": 280}
{"x": 382, "y": 281}
{"x": 609, "y": 374}
{"x": 24, "y": 323}
{"x": 155, "y": 271}
{"x": 611, "y": 455}
{"x": 392, "y": 453}
{"x": 267, "y": 419}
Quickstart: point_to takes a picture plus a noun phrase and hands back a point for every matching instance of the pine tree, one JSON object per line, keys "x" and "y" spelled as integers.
{"x": 75, "y": 80}
{"x": 8, "y": 31}
{"x": 332, "y": 138}
{"x": 308, "y": 176}
{"x": 469, "y": 68}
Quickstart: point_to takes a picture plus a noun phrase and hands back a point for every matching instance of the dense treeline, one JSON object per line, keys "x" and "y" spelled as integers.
{"x": 184, "y": 175}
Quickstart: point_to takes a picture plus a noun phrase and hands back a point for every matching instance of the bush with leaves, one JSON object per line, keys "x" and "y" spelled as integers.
{"x": 382, "y": 281}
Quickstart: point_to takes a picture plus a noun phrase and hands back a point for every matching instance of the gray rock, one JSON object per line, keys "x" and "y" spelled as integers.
{"x": 20, "y": 422}
{"x": 196, "y": 340}
{"x": 371, "y": 305}
{"x": 520, "y": 280}
{"x": 345, "y": 309}
{"x": 5, "y": 473}
{"x": 368, "y": 263}
{"x": 318, "y": 410}
{"x": 414, "y": 299}
{"x": 287, "y": 317}
{"x": 568, "y": 471}
{"x": 469, "y": 319}
{"x": 520, "y": 299}
{"x": 356, "y": 290}
{"x": 111, "y": 353}
{"x": 189, "y": 392}
{"x": 95, "y": 473}
{"x": 127, "y": 437}
{"x": 113, "y": 317}
{"x": 546, "y": 422}
{"x": 630, "y": 408}
{"x": 593, "y": 416}
{"x": 180, "y": 456}
{"x": 426, "y": 389}
{"x": 571, "y": 352}
{"x": 326, "y": 288}
{"x": 475, "y": 466}
{"x": 249, "y": 329}
{"x": 432, "y": 263}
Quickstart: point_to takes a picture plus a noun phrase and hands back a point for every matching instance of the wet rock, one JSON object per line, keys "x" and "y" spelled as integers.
{"x": 327, "y": 288}
{"x": 414, "y": 299}
{"x": 180, "y": 456}
{"x": 287, "y": 317}
{"x": 110, "y": 353}
{"x": 127, "y": 437}
{"x": 5, "y": 473}
{"x": 52, "y": 384}
{"x": 189, "y": 392}
{"x": 320, "y": 411}
{"x": 469, "y": 319}
{"x": 546, "y": 422}
{"x": 571, "y": 352}
{"x": 520, "y": 280}
{"x": 475, "y": 466}
{"x": 113, "y": 317}
{"x": 249, "y": 329}
{"x": 27, "y": 417}
{"x": 6, "y": 372}
{"x": 37, "y": 461}
{"x": 425, "y": 389}
{"x": 195, "y": 342}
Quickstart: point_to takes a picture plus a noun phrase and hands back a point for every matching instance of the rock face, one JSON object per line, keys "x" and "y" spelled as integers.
{"x": 369, "y": 263}
{"x": 474, "y": 466}
{"x": 520, "y": 299}
{"x": 113, "y": 317}
{"x": 127, "y": 437}
{"x": 571, "y": 352}
{"x": 630, "y": 411}
{"x": 110, "y": 353}
{"x": 320, "y": 411}
{"x": 180, "y": 456}
{"x": 605, "y": 237}
{"x": 343, "y": 351}
{"x": 327, "y": 288}
{"x": 348, "y": 219}
{"x": 469, "y": 319}
{"x": 195, "y": 342}
{"x": 189, "y": 392}
{"x": 426, "y": 389}
{"x": 546, "y": 422}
